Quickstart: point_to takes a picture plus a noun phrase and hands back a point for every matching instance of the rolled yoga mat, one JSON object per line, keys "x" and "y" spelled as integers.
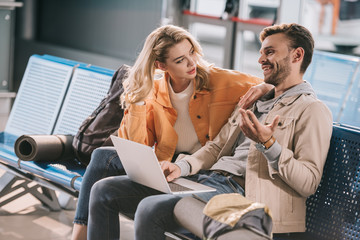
{"x": 44, "y": 147}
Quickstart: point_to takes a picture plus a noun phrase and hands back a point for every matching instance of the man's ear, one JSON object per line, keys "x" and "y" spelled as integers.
{"x": 160, "y": 65}
{"x": 298, "y": 54}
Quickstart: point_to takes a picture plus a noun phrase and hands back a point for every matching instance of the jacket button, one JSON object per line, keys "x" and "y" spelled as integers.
{"x": 279, "y": 124}
{"x": 194, "y": 96}
{"x": 207, "y": 136}
{"x": 198, "y": 116}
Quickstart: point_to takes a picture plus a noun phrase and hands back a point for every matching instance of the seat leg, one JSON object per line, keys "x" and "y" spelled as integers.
{"x": 9, "y": 183}
{"x": 67, "y": 201}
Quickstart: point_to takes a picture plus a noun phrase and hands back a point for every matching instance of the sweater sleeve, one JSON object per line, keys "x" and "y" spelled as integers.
{"x": 208, "y": 155}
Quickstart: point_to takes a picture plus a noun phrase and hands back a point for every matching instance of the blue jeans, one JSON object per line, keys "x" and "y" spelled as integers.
{"x": 151, "y": 210}
{"x": 104, "y": 162}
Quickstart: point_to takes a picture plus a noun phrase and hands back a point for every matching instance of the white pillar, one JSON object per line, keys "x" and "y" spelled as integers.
{"x": 290, "y": 11}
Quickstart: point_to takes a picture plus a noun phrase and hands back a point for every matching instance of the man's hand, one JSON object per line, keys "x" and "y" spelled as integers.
{"x": 253, "y": 129}
{"x": 253, "y": 94}
{"x": 170, "y": 170}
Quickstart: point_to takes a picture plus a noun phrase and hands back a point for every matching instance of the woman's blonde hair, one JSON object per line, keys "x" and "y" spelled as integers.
{"x": 139, "y": 83}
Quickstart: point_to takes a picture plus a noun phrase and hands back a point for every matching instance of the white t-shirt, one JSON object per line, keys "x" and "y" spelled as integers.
{"x": 187, "y": 138}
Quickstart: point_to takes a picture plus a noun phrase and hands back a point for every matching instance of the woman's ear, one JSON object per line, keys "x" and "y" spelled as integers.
{"x": 160, "y": 65}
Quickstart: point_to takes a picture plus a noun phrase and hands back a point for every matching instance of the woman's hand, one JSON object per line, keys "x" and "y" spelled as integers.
{"x": 170, "y": 170}
{"x": 253, "y": 94}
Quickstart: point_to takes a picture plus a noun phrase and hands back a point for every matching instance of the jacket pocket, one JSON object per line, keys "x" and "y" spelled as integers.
{"x": 285, "y": 128}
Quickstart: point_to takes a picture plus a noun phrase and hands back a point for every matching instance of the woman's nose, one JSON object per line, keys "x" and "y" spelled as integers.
{"x": 191, "y": 61}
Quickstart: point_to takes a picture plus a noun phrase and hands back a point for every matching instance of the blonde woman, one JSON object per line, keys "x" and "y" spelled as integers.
{"x": 177, "y": 113}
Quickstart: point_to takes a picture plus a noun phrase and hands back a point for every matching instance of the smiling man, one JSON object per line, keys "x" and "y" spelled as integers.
{"x": 273, "y": 153}
{"x": 279, "y": 146}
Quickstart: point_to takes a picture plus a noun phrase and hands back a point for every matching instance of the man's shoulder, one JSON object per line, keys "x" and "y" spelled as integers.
{"x": 309, "y": 99}
{"x": 303, "y": 103}
{"x": 312, "y": 104}
{"x": 301, "y": 99}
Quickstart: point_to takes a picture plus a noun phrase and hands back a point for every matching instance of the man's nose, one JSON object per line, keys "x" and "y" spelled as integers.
{"x": 261, "y": 59}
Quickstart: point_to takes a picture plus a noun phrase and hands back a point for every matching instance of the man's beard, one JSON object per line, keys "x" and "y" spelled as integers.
{"x": 282, "y": 72}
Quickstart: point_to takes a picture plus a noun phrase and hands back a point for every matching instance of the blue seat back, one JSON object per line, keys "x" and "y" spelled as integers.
{"x": 89, "y": 85}
{"x": 331, "y": 76}
{"x": 351, "y": 111}
{"x": 40, "y": 96}
{"x": 333, "y": 212}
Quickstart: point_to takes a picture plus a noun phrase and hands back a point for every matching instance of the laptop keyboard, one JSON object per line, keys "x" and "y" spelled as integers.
{"x": 178, "y": 188}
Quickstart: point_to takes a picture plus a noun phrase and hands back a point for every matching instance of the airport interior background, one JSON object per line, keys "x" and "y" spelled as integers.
{"x": 109, "y": 33}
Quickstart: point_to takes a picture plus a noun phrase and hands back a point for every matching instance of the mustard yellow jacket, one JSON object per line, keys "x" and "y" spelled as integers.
{"x": 153, "y": 123}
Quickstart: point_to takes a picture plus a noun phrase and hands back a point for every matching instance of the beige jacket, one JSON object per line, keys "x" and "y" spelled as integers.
{"x": 304, "y": 132}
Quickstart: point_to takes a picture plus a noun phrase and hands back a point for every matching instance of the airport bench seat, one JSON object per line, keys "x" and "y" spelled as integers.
{"x": 56, "y": 95}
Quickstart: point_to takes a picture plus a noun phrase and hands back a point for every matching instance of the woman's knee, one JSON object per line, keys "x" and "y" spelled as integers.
{"x": 103, "y": 155}
{"x": 113, "y": 195}
{"x": 102, "y": 158}
{"x": 110, "y": 189}
{"x": 98, "y": 193}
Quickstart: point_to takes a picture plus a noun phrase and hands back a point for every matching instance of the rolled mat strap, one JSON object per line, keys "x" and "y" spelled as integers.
{"x": 44, "y": 147}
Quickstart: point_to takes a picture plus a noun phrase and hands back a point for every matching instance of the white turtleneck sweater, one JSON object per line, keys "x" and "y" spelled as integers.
{"x": 187, "y": 138}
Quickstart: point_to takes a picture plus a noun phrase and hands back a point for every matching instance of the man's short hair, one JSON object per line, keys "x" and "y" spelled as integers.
{"x": 298, "y": 35}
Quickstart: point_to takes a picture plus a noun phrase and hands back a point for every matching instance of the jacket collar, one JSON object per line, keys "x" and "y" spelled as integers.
{"x": 286, "y": 101}
{"x": 162, "y": 95}
{"x": 267, "y": 102}
{"x": 291, "y": 99}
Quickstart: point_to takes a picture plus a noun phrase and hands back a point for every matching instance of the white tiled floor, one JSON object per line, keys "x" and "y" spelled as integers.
{"x": 26, "y": 219}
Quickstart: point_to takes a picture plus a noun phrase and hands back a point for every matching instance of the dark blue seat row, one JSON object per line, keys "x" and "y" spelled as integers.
{"x": 333, "y": 212}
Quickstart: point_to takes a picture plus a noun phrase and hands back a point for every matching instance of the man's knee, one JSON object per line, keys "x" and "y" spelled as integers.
{"x": 147, "y": 207}
{"x": 161, "y": 206}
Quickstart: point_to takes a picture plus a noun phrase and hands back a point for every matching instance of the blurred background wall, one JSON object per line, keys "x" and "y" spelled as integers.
{"x": 110, "y": 33}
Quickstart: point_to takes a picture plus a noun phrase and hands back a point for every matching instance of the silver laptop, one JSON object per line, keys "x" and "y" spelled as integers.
{"x": 142, "y": 166}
